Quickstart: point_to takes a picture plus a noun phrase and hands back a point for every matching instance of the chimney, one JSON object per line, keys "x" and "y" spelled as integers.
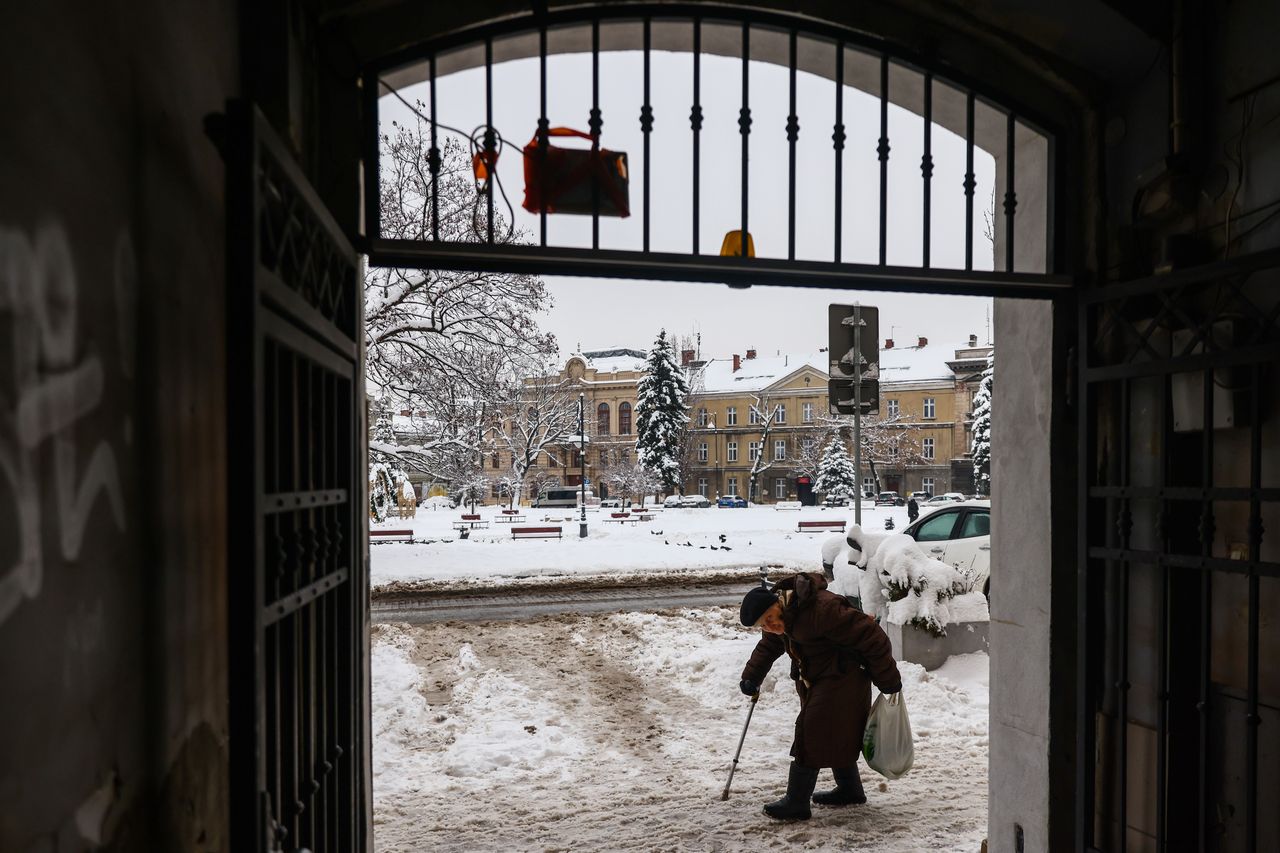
{"x": 404, "y": 413}
{"x": 751, "y": 353}
{"x": 888, "y": 343}
{"x": 737, "y": 362}
{"x": 973, "y": 340}
{"x": 686, "y": 357}
{"x": 923, "y": 342}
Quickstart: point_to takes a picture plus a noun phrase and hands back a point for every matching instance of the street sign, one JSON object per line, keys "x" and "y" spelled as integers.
{"x": 845, "y": 359}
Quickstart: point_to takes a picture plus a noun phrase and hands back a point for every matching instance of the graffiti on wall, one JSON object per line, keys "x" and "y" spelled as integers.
{"x": 51, "y": 383}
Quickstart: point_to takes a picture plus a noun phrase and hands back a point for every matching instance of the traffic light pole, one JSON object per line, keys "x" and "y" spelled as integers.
{"x": 857, "y": 415}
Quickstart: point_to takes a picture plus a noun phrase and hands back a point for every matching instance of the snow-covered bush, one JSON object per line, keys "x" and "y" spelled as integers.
{"x": 905, "y": 586}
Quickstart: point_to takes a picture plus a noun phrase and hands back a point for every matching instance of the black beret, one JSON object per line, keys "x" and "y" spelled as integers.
{"x": 755, "y": 603}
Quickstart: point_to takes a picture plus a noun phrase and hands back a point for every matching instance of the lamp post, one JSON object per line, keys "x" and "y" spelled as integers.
{"x": 582, "y": 462}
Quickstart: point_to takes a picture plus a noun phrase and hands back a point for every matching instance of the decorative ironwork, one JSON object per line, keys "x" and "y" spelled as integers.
{"x": 1194, "y": 350}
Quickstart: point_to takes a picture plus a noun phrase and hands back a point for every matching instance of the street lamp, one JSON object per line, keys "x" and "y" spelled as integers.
{"x": 582, "y": 462}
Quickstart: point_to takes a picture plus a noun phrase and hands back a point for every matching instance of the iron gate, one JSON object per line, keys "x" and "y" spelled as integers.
{"x": 298, "y": 609}
{"x": 1176, "y": 582}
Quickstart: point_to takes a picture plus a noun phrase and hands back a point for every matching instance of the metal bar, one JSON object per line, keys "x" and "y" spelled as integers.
{"x": 1180, "y": 277}
{"x": 558, "y": 260}
{"x": 1085, "y": 740}
{"x": 1185, "y": 493}
{"x": 1186, "y": 364}
{"x": 969, "y": 182}
{"x": 926, "y": 169}
{"x": 287, "y": 501}
{"x": 1252, "y": 719}
{"x": 544, "y": 125}
{"x": 1206, "y": 614}
{"x": 282, "y": 607}
{"x": 793, "y": 133}
{"x": 595, "y": 123}
{"x": 1195, "y": 562}
{"x": 1010, "y": 196}
{"x": 1123, "y": 526}
{"x": 882, "y": 151}
{"x": 837, "y": 141}
{"x": 744, "y": 128}
{"x": 1162, "y": 620}
{"x": 695, "y": 122}
{"x": 646, "y": 127}
{"x": 490, "y": 141}
{"x": 433, "y": 155}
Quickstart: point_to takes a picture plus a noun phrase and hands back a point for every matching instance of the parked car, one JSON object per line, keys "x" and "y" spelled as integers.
{"x": 695, "y": 501}
{"x": 674, "y": 501}
{"x": 959, "y": 534}
{"x": 890, "y": 499}
{"x": 732, "y": 501}
{"x": 920, "y": 497}
{"x": 833, "y": 501}
{"x": 611, "y": 503}
{"x": 949, "y": 497}
{"x": 560, "y": 498}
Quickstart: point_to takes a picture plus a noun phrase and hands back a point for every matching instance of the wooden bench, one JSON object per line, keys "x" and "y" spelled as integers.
{"x": 377, "y": 537}
{"x": 819, "y": 526}
{"x": 470, "y": 522}
{"x": 535, "y": 533}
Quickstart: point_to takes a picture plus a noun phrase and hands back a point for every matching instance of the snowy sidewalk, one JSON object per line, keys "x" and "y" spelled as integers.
{"x": 615, "y": 732}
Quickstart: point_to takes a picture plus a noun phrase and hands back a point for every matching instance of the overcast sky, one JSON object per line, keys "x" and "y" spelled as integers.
{"x": 599, "y": 313}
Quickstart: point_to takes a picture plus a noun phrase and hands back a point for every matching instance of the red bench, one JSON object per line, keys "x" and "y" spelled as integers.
{"x": 819, "y": 526}
{"x": 510, "y": 516}
{"x": 535, "y": 533}
{"x": 470, "y": 522}
{"x": 377, "y": 537}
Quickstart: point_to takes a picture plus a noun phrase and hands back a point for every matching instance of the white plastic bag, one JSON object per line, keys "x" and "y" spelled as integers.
{"x": 886, "y": 744}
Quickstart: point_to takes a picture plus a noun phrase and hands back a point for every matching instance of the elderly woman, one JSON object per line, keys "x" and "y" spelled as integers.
{"x": 837, "y": 652}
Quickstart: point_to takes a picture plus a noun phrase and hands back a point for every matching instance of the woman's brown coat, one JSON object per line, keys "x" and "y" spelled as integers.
{"x": 829, "y": 642}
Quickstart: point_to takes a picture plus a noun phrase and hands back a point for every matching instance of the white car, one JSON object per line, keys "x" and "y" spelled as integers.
{"x": 695, "y": 501}
{"x": 611, "y": 503}
{"x": 959, "y": 535}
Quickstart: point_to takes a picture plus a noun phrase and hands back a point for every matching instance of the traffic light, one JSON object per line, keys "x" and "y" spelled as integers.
{"x": 846, "y": 358}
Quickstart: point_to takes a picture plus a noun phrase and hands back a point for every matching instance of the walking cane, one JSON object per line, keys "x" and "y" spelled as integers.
{"x": 741, "y": 740}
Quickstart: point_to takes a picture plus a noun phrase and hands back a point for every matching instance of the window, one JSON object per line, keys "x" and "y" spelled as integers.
{"x": 780, "y": 449}
{"x": 604, "y": 457}
{"x": 624, "y": 419}
{"x": 495, "y": 460}
{"x": 927, "y": 485}
{"x": 602, "y": 419}
{"x": 780, "y": 488}
{"x": 733, "y": 451}
{"x": 892, "y": 406}
{"x": 702, "y": 417}
{"x": 928, "y": 448}
{"x": 731, "y": 416}
{"x": 753, "y": 451}
{"x": 868, "y": 485}
{"x": 577, "y": 459}
{"x": 930, "y": 408}
{"x": 702, "y": 486}
{"x": 780, "y": 417}
{"x": 626, "y": 456}
{"x": 754, "y": 492}
{"x": 806, "y": 412}
{"x": 936, "y": 527}
{"x": 702, "y": 452}
{"x": 893, "y": 448}
{"x": 733, "y": 486}
{"x": 494, "y": 491}
{"x": 977, "y": 523}
{"x": 753, "y": 414}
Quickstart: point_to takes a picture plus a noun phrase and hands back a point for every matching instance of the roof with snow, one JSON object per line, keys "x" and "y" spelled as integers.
{"x": 756, "y": 374}
{"x": 615, "y": 359}
{"x": 916, "y": 364}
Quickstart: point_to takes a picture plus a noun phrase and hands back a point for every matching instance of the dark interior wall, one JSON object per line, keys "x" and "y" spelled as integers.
{"x": 112, "y": 460}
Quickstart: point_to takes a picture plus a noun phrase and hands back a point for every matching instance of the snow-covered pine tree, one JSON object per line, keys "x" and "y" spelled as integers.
{"x": 836, "y": 475}
{"x": 981, "y": 448}
{"x": 661, "y": 413}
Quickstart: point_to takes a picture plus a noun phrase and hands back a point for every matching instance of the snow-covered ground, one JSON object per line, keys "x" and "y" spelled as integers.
{"x": 616, "y": 733}
{"x": 677, "y": 540}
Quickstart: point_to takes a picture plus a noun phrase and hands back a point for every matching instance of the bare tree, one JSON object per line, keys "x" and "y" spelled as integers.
{"x": 763, "y": 412}
{"x": 692, "y": 433}
{"x": 540, "y": 413}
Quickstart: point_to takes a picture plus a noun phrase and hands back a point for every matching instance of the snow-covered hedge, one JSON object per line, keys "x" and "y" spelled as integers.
{"x": 900, "y": 583}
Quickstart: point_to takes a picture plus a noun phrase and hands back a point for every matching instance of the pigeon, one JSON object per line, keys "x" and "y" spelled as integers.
{"x": 722, "y": 538}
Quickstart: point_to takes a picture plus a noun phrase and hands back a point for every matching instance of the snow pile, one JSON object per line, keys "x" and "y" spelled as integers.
{"x": 616, "y": 733}
{"x": 903, "y": 585}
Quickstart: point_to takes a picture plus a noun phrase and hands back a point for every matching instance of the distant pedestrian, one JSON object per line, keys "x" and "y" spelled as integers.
{"x": 836, "y": 653}
{"x": 913, "y": 509}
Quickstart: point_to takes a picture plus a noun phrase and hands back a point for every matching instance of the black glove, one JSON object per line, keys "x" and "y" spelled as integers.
{"x": 748, "y": 687}
{"x": 890, "y": 689}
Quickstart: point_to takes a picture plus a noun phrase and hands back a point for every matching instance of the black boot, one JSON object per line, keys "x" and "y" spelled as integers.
{"x": 848, "y": 790}
{"x": 795, "y": 805}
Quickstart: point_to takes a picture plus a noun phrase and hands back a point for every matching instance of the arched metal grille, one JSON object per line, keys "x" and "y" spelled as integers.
{"x": 1021, "y": 204}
